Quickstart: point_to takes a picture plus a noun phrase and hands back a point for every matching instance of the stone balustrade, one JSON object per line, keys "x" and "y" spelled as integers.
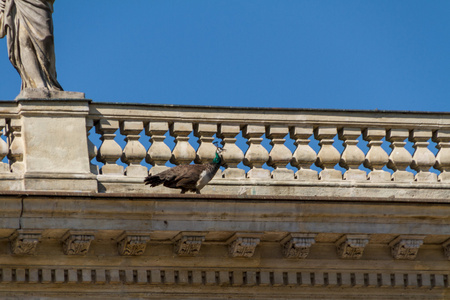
{"x": 264, "y": 147}
{"x": 293, "y": 147}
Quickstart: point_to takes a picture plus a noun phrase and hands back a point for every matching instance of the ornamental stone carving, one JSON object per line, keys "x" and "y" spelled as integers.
{"x": 406, "y": 246}
{"x": 188, "y": 243}
{"x": 351, "y": 246}
{"x": 77, "y": 242}
{"x": 243, "y": 245}
{"x": 297, "y": 245}
{"x": 24, "y": 242}
{"x": 132, "y": 244}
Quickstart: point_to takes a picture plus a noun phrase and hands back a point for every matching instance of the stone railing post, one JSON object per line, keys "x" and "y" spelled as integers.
{"x": 442, "y": 138}
{"x": 110, "y": 151}
{"x": 183, "y": 153}
{"x": 352, "y": 157}
{"x": 206, "y": 150}
{"x": 304, "y": 156}
{"x": 134, "y": 152}
{"x": 232, "y": 155}
{"x": 256, "y": 154}
{"x": 50, "y": 138}
{"x": 158, "y": 153}
{"x": 280, "y": 155}
{"x": 376, "y": 158}
{"x": 328, "y": 156}
{"x": 423, "y": 158}
{"x": 400, "y": 158}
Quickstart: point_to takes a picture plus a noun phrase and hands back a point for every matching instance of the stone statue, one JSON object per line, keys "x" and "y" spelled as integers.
{"x": 28, "y": 26}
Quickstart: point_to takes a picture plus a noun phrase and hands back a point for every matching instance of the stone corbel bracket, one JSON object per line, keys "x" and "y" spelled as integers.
{"x": 352, "y": 245}
{"x": 406, "y": 246}
{"x": 24, "y": 242}
{"x": 243, "y": 244}
{"x": 188, "y": 243}
{"x": 297, "y": 245}
{"x": 131, "y": 243}
{"x": 446, "y": 246}
{"x": 77, "y": 242}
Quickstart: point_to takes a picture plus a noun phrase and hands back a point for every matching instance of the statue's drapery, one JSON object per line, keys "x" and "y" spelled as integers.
{"x": 28, "y": 26}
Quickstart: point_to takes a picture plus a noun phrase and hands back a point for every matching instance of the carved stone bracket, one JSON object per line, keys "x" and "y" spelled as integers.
{"x": 297, "y": 245}
{"x": 406, "y": 246}
{"x": 77, "y": 242}
{"x": 24, "y": 242}
{"x": 352, "y": 245}
{"x": 188, "y": 243}
{"x": 132, "y": 243}
{"x": 243, "y": 244}
{"x": 446, "y": 246}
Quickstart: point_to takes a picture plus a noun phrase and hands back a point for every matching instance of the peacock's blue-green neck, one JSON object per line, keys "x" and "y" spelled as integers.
{"x": 217, "y": 159}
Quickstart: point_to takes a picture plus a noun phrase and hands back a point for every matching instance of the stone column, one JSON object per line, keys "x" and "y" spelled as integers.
{"x": 55, "y": 145}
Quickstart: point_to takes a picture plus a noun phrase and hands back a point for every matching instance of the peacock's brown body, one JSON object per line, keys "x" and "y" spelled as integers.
{"x": 187, "y": 177}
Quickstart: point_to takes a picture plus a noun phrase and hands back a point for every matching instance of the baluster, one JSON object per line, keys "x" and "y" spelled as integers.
{"x": 328, "y": 156}
{"x": 206, "y": 150}
{"x": 423, "y": 158}
{"x": 304, "y": 156}
{"x": 400, "y": 158}
{"x": 280, "y": 155}
{"x": 442, "y": 138}
{"x": 15, "y": 154}
{"x": 134, "y": 152}
{"x": 92, "y": 149}
{"x": 256, "y": 154}
{"x": 159, "y": 153}
{"x": 232, "y": 155}
{"x": 352, "y": 157}
{"x": 4, "y": 167}
{"x": 109, "y": 151}
{"x": 376, "y": 158}
{"x": 183, "y": 153}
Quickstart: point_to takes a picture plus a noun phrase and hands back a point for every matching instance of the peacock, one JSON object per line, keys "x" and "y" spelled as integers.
{"x": 187, "y": 177}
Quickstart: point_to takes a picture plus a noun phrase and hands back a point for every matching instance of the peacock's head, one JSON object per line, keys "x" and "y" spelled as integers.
{"x": 219, "y": 150}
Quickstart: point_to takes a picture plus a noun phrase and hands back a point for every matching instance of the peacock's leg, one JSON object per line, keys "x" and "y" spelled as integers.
{"x": 197, "y": 191}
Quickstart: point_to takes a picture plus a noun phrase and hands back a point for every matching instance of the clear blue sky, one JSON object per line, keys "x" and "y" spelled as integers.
{"x": 382, "y": 54}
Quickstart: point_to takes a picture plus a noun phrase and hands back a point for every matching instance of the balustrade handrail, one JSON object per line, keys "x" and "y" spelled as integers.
{"x": 290, "y": 116}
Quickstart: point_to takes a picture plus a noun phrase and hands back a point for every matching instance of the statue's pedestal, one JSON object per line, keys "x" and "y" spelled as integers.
{"x": 44, "y": 94}
{"x": 55, "y": 151}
